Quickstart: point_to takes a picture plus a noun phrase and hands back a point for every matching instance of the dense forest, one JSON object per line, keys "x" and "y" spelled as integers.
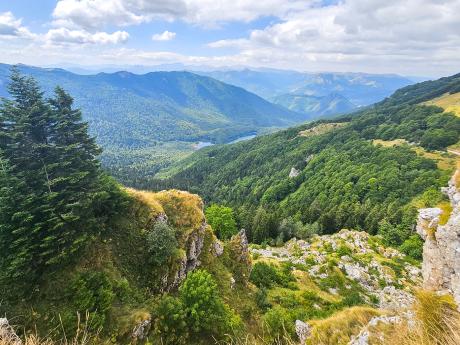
{"x": 146, "y": 122}
{"x": 330, "y": 175}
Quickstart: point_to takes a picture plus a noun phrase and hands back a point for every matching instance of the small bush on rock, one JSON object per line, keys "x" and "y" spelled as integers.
{"x": 161, "y": 242}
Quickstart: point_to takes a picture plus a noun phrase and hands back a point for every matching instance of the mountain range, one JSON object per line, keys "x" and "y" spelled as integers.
{"x": 144, "y": 121}
{"x": 315, "y": 94}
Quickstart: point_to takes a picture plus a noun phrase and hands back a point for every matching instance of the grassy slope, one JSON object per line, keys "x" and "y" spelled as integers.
{"x": 449, "y": 102}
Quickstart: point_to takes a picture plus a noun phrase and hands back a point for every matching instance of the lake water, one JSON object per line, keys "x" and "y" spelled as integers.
{"x": 201, "y": 144}
{"x": 247, "y": 137}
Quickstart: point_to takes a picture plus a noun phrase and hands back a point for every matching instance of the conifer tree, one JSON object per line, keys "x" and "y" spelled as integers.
{"x": 52, "y": 185}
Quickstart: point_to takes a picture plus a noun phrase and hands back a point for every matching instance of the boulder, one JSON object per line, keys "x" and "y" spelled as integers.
{"x": 294, "y": 172}
{"x": 7, "y": 333}
{"x": 303, "y": 331}
{"x": 141, "y": 331}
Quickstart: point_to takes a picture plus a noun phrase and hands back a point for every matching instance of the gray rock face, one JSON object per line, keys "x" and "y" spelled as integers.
{"x": 7, "y": 333}
{"x": 141, "y": 331}
{"x": 294, "y": 172}
{"x": 217, "y": 249}
{"x": 441, "y": 250}
{"x": 363, "y": 337}
{"x": 190, "y": 261}
{"x": 303, "y": 331}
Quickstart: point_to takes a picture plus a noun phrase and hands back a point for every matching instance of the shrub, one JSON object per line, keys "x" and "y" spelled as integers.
{"x": 222, "y": 221}
{"x": 413, "y": 247}
{"x": 279, "y": 324}
{"x": 161, "y": 242}
{"x": 261, "y": 299}
{"x": 92, "y": 293}
{"x": 352, "y": 298}
{"x": 197, "y": 312}
{"x": 264, "y": 275}
{"x": 344, "y": 250}
{"x": 170, "y": 321}
{"x": 204, "y": 309}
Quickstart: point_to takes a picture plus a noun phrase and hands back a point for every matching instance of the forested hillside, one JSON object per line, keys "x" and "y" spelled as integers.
{"x": 85, "y": 260}
{"x": 144, "y": 122}
{"x": 335, "y": 174}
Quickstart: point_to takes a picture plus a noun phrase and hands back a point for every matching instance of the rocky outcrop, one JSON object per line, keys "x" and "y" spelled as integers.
{"x": 441, "y": 250}
{"x": 363, "y": 337}
{"x": 241, "y": 263}
{"x": 190, "y": 260}
{"x": 303, "y": 331}
{"x": 294, "y": 172}
{"x": 141, "y": 331}
{"x": 7, "y": 333}
{"x": 361, "y": 258}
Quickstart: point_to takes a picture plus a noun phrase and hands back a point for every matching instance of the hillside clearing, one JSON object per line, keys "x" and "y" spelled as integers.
{"x": 321, "y": 128}
{"x": 444, "y": 160}
{"x": 449, "y": 102}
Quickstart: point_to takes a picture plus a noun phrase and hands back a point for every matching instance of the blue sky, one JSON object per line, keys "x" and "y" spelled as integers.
{"x": 411, "y": 37}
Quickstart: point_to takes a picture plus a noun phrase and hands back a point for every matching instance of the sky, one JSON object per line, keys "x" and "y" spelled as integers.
{"x": 409, "y": 37}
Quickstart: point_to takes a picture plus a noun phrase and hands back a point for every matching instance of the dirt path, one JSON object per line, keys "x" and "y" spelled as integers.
{"x": 455, "y": 152}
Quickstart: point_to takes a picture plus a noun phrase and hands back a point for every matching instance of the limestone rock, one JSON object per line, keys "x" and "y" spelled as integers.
{"x": 238, "y": 248}
{"x": 232, "y": 283}
{"x": 217, "y": 249}
{"x": 303, "y": 331}
{"x": 441, "y": 250}
{"x": 363, "y": 337}
{"x": 190, "y": 261}
{"x": 7, "y": 333}
{"x": 141, "y": 331}
{"x": 294, "y": 172}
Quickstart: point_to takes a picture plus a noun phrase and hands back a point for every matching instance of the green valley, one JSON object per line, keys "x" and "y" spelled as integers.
{"x": 328, "y": 174}
{"x": 145, "y": 122}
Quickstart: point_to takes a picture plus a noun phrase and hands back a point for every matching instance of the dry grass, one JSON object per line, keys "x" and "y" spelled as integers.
{"x": 444, "y": 160}
{"x": 184, "y": 210}
{"x": 449, "y": 102}
{"x": 250, "y": 340}
{"x": 436, "y": 322}
{"x": 389, "y": 143}
{"x": 82, "y": 337}
{"x": 321, "y": 128}
{"x": 340, "y": 327}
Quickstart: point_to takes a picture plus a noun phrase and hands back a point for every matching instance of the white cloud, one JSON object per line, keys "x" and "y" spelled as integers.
{"x": 164, "y": 36}
{"x": 12, "y": 27}
{"x": 92, "y": 14}
{"x": 66, "y": 36}
{"x": 411, "y": 36}
{"x": 99, "y": 13}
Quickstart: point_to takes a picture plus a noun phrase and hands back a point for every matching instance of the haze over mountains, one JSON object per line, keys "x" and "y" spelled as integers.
{"x": 315, "y": 94}
{"x": 145, "y": 122}
{"x": 312, "y": 93}
{"x": 152, "y": 118}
